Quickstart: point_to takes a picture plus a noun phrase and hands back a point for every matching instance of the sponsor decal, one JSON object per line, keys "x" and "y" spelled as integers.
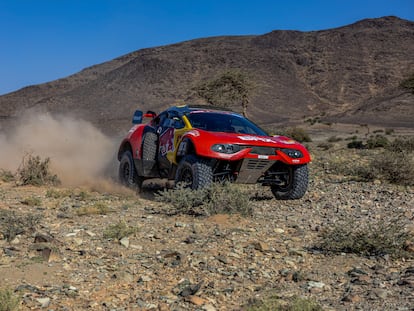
{"x": 167, "y": 141}
{"x": 255, "y": 138}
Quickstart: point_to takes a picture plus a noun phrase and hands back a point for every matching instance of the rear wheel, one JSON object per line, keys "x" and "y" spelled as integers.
{"x": 294, "y": 183}
{"x": 127, "y": 173}
{"x": 194, "y": 172}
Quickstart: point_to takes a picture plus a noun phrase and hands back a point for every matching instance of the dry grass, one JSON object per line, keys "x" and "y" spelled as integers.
{"x": 274, "y": 303}
{"x": 216, "y": 199}
{"x": 8, "y": 300}
{"x": 367, "y": 238}
{"x": 13, "y": 224}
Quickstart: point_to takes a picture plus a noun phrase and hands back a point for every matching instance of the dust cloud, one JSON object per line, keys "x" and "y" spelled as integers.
{"x": 80, "y": 155}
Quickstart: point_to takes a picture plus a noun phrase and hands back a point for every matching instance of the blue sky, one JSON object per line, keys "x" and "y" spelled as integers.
{"x": 43, "y": 40}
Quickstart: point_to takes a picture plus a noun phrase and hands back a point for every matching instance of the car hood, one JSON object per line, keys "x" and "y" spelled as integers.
{"x": 243, "y": 139}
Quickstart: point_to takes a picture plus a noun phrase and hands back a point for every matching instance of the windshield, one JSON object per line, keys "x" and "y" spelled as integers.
{"x": 224, "y": 122}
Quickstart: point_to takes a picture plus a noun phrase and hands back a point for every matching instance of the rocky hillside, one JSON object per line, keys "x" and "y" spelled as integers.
{"x": 349, "y": 74}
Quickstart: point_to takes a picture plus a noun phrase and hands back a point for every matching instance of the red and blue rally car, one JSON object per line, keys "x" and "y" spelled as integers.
{"x": 198, "y": 146}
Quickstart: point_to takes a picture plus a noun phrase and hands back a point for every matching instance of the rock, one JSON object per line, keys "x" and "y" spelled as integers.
{"x": 41, "y": 238}
{"x": 354, "y": 298}
{"x": 190, "y": 290}
{"x": 278, "y": 230}
{"x": 195, "y": 300}
{"x": 124, "y": 242}
{"x": 44, "y": 302}
{"x": 381, "y": 293}
{"x": 313, "y": 284}
{"x": 208, "y": 307}
{"x": 261, "y": 246}
{"x": 144, "y": 278}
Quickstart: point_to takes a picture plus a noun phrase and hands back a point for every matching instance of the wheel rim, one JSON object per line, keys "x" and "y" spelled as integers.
{"x": 287, "y": 180}
{"x": 126, "y": 173}
{"x": 186, "y": 177}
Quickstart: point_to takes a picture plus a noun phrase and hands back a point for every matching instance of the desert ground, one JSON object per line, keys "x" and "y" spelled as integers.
{"x": 57, "y": 250}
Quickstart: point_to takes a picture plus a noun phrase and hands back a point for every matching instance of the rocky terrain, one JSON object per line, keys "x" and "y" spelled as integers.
{"x": 350, "y": 74}
{"x": 63, "y": 258}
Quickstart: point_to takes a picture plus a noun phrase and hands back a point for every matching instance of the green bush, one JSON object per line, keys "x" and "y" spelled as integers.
{"x": 377, "y": 141}
{"x": 216, "y": 199}
{"x": 119, "y": 231}
{"x": 35, "y": 171}
{"x": 367, "y": 238}
{"x": 8, "y": 300}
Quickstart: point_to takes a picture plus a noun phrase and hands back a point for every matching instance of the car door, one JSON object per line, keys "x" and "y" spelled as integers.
{"x": 168, "y": 131}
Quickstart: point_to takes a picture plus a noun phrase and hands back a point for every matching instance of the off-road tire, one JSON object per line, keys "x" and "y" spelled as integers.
{"x": 194, "y": 172}
{"x": 296, "y": 186}
{"x": 127, "y": 173}
{"x": 149, "y": 146}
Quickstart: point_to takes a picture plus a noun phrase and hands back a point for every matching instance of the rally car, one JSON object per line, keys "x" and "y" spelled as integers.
{"x": 197, "y": 146}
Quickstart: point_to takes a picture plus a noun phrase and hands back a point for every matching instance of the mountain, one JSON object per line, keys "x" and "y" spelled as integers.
{"x": 348, "y": 74}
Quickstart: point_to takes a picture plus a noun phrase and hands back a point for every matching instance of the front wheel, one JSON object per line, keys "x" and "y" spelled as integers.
{"x": 194, "y": 172}
{"x": 295, "y": 183}
{"x": 127, "y": 173}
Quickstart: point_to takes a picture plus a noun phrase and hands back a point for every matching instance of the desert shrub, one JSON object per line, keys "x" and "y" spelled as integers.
{"x": 325, "y": 146}
{"x": 408, "y": 83}
{"x": 6, "y": 175}
{"x": 32, "y": 201}
{"x": 356, "y": 144}
{"x": 215, "y": 199}
{"x": 377, "y": 141}
{"x": 334, "y": 139}
{"x": 35, "y": 171}
{"x": 12, "y": 224}
{"x": 395, "y": 167}
{"x": 119, "y": 230}
{"x": 391, "y": 166}
{"x": 297, "y": 133}
{"x": 402, "y": 144}
{"x": 352, "y": 138}
{"x": 274, "y": 303}
{"x": 98, "y": 208}
{"x": 8, "y": 300}
{"x": 58, "y": 194}
{"x": 367, "y": 238}
{"x": 389, "y": 131}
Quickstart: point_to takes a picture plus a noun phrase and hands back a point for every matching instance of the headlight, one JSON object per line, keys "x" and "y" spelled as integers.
{"x": 225, "y": 148}
{"x": 292, "y": 153}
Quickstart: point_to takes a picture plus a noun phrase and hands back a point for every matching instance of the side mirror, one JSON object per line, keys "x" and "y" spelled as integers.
{"x": 137, "y": 118}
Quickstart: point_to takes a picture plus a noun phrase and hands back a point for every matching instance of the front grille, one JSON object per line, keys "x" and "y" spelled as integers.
{"x": 262, "y": 150}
